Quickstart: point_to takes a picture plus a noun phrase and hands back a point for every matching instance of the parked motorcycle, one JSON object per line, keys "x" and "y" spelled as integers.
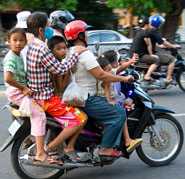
{"x": 162, "y": 138}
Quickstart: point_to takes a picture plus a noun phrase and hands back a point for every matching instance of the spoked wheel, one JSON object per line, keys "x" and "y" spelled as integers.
{"x": 181, "y": 80}
{"x": 162, "y": 142}
{"x": 25, "y": 171}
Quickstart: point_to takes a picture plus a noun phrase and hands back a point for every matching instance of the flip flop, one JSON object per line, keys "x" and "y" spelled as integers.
{"x": 47, "y": 161}
{"x": 134, "y": 144}
{"x": 73, "y": 156}
{"x": 114, "y": 154}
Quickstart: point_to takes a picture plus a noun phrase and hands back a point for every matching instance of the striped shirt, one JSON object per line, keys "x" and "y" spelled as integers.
{"x": 40, "y": 63}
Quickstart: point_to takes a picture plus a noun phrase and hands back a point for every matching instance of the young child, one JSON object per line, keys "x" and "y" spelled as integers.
{"x": 108, "y": 62}
{"x": 40, "y": 64}
{"x": 58, "y": 46}
{"x": 17, "y": 90}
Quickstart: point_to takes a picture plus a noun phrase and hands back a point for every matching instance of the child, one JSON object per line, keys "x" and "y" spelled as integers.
{"x": 58, "y": 46}
{"x": 40, "y": 64}
{"x": 115, "y": 97}
{"x": 17, "y": 90}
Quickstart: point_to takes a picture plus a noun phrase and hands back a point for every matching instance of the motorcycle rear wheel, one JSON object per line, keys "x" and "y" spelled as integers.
{"x": 157, "y": 154}
{"x": 30, "y": 172}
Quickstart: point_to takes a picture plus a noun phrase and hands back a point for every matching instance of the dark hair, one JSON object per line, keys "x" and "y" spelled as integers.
{"x": 111, "y": 56}
{"x": 54, "y": 41}
{"x": 103, "y": 62}
{"x": 16, "y": 30}
{"x": 35, "y": 21}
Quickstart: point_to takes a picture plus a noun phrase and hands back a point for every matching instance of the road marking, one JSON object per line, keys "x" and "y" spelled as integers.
{"x": 179, "y": 115}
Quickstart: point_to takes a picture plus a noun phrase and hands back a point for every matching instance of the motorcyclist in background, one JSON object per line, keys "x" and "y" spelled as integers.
{"x": 148, "y": 52}
{"x": 59, "y": 19}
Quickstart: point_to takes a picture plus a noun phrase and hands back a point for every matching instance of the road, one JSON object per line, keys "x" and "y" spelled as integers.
{"x": 123, "y": 168}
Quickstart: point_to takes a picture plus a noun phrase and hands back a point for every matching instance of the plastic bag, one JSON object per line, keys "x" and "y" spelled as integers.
{"x": 25, "y": 107}
{"x": 74, "y": 95}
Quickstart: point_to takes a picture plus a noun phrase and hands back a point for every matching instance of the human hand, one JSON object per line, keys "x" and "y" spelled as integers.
{"x": 128, "y": 79}
{"x": 128, "y": 104}
{"x": 134, "y": 59}
{"x": 80, "y": 49}
{"x": 26, "y": 91}
{"x": 177, "y": 46}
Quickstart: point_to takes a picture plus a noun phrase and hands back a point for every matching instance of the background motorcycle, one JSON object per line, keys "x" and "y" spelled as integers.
{"x": 162, "y": 139}
{"x": 160, "y": 75}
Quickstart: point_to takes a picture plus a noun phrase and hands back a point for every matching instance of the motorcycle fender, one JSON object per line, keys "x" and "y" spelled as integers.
{"x": 161, "y": 109}
{"x": 13, "y": 130}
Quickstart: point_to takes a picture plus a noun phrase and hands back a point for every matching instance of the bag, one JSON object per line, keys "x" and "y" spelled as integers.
{"x": 25, "y": 107}
{"x": 75, "y": 95}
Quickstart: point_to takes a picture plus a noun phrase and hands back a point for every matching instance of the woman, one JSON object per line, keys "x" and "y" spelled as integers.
{"x": 87, "y": 73}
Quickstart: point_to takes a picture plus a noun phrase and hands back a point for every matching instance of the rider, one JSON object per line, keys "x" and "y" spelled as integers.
{"x": 145, "y": 45}
{"x": 87, "y": 73}
{"x": 58, "y": 20}
{"x": 155, "y": 22}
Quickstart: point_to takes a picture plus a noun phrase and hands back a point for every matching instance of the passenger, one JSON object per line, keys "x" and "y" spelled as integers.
{"x": 40, "y": 63}
{"x": 21, "y": 23}
{"x": 87, "y": 73}
{"x": 17, "y": 90}
{"x": 59, "y": 19}
{"x": 109, "y": 62}
{"x": 58, "y": 46}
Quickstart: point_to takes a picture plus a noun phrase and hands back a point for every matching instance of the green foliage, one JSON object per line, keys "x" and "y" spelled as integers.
{"x": 42, "y": 4}
{"x": 141, "y": 7}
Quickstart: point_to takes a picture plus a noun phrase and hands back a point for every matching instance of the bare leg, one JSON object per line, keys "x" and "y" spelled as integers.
{"x": 65, "y": 134}
{"x": 40, "y": 155}
{"x": 170, "y": 71}
{"x": 71, "y": 145}
{"x": 126, "y": 134}
{"x": 151, "y": 69}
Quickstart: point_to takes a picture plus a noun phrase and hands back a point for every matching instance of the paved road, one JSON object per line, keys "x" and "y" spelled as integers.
{"x": 128, "y": 169}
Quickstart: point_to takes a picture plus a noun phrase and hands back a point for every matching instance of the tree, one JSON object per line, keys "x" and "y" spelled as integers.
{"x": 172, "y": 8}
{"x": 44, "y": 5}
{"x": 96, "y": 14}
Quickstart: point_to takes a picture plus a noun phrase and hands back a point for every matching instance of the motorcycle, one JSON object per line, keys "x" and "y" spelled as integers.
{"x": 160, "y": 75}
{"x": 162, "y": 138}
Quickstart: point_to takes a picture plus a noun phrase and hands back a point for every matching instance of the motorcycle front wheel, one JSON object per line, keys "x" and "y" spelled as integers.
{"x": 25, "y": 171}
{"x": 181, "y": 80}
{"x": 163, "y": 148}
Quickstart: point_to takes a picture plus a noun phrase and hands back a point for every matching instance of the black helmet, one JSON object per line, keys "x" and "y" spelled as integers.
{"x": 143, "y": 20}
{"x": 59, "y": 18}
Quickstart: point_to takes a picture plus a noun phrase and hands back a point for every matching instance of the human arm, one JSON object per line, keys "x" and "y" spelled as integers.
{"x": 9, "y": 78}
{"x": 106, "y": 87}
{"x": 125, "y": 64}
{"x": 167, "y": 44}
{"x": 149, "y": 45}
{"x": 102, "y": 75}
{"x": 56, "y": 67}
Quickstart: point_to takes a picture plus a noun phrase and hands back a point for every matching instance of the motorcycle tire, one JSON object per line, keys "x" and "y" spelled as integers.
{"x": 179, "y": 76}
{"x": 17, "y": 166}
{"x": 174, "y": 153}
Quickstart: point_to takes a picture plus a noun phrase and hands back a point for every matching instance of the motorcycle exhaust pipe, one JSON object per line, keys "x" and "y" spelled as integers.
{"x": 66, "y": 165}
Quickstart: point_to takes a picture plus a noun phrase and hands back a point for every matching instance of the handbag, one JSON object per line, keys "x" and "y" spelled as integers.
{"x": 75, "y": 95}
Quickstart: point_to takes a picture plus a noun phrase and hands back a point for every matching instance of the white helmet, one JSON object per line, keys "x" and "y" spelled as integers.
{"x": 22, "y": 18}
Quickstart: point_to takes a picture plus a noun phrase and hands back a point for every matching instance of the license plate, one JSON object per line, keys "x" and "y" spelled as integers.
{"x": 14, "y": 127}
